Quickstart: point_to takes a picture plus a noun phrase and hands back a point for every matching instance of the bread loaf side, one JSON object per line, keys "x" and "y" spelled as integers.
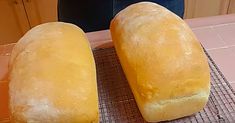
{"x": 53, "y": 76}
{"x": 163, "y": 61}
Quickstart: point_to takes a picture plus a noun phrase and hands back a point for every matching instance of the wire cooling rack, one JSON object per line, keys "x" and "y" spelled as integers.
{"x": 117, "y": 104}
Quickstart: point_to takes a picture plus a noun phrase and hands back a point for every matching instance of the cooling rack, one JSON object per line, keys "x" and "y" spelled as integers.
{"x": 117, "y": 104}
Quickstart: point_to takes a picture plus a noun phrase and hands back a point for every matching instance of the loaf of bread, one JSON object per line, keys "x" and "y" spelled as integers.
{"x": 53, "y": 76}
{"x": 163, "y": 61}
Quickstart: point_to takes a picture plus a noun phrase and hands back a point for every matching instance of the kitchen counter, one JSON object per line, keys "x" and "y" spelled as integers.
{"x": 217, "y": 34}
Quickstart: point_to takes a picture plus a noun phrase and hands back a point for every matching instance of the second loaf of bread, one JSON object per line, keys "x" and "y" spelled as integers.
{"x": 163, "y": 61}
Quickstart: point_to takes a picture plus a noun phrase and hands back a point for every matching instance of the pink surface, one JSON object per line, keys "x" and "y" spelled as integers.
{"x": 209, "y": 38}
{"x": 233, "y": 85}
{"x": 225, "y": 59}
{"x": 210, "y": 21}
{"x": 217, "y": 34}
{"x": 227, "y": 33}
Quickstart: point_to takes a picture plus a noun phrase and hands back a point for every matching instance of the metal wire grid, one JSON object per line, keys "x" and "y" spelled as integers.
{"x": 117, "y": 104}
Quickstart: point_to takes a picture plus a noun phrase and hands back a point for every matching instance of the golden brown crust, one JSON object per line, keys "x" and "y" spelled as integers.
{"x": 53, "y": 76}
{"x": 162, "y": 60}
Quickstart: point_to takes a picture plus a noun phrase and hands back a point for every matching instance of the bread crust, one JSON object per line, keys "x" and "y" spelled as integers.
{"x": 53, "y": 76}
{"x": 163, "y": 61}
